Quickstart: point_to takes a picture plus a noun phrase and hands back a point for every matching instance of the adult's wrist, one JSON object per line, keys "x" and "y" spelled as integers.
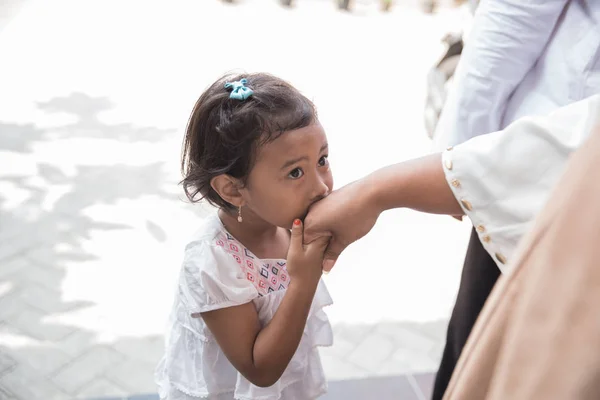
{"x": 381, "y": 193}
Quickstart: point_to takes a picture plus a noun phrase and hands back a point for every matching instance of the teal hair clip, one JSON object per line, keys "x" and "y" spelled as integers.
{"x": 239, "y": 91}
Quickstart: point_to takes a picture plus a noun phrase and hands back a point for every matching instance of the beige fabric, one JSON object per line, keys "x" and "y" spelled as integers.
{"x": 538, "y": 336}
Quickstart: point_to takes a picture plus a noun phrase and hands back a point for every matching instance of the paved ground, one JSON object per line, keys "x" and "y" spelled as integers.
{"x": 95, "y": 95}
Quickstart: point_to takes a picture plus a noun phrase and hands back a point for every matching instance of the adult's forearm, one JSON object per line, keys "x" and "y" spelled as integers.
{"x": 419, "y": 184}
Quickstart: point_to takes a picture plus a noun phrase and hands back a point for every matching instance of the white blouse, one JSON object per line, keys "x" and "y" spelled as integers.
{"x": 218, "y": 272}
{"x": 521, "y": 58}
{"x": 502, "y": 180}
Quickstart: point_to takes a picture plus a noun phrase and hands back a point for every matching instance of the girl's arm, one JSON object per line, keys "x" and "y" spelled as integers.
{"x": 260, "y": 353}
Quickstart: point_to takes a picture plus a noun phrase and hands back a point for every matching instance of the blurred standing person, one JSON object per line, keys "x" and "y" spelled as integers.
{"x": 521, "y": 59}
{"x": 429, "y": 6}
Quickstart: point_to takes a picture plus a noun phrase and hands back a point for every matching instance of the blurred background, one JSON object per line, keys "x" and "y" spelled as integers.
{"x": 94, "y": 99}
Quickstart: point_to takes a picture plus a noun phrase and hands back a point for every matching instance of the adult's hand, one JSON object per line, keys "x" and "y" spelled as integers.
{"x": 346, "y": 215}
{"x": 350, "y": 213}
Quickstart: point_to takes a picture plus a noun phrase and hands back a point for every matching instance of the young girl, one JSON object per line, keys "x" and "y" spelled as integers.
{"x": 248, "y": 310}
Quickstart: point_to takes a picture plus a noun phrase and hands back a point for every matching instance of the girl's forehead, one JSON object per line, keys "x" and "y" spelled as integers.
{"x": 305, "y": 141}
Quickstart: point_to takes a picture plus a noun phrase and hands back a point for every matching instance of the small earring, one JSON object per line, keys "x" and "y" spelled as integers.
{"x": 240, "y": 219}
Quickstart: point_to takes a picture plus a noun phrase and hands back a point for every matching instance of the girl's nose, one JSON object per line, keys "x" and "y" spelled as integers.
{"x": 321, "y": 189}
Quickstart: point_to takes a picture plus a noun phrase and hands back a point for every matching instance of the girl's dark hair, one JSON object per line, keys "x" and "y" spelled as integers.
{"x": 223, "y": 134}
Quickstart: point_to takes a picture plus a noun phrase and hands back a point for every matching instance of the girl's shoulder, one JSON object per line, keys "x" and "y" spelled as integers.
{"x": 211, "y": 275}
{"x": 211, "y": 246}
{"x": 209, "y": 230}
{"x": 212, "y": 241}
{"x": 215, "y": 255}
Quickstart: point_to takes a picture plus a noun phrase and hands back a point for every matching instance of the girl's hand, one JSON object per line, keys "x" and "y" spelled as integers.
{"x": 305, "y": 261}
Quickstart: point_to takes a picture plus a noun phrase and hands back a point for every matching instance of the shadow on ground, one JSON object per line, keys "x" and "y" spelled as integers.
{"x": 41, "y": 232}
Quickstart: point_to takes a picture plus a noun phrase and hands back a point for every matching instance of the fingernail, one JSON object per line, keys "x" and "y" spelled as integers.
{"x": 328, "y": 265}
{"x": 297, "y": 222}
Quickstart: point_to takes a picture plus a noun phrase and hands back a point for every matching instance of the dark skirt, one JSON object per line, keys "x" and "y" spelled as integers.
{"x": 479, "y": 275}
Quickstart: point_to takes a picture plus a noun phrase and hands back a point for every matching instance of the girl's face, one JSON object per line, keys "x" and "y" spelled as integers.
{"x": 290, "y": 174}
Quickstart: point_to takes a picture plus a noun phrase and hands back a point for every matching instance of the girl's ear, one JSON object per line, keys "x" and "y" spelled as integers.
{"x": 228, "y": 188}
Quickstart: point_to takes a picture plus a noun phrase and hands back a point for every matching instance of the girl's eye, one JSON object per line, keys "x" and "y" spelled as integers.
{"x": 323, "y": 161}
{"x": 296, "y": 173}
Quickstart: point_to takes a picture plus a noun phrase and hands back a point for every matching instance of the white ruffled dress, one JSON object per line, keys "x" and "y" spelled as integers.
{"x": 218, "y": 272}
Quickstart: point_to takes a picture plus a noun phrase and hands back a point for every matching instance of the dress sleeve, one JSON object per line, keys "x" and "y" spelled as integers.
{"x": 212, "y": 279}
{"x": 503, "y": 179}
